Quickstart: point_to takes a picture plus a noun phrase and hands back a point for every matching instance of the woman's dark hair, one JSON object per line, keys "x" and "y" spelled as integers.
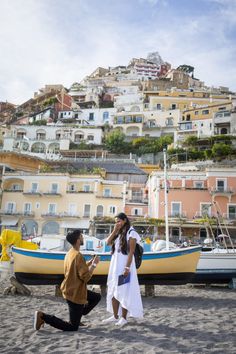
{"x": 73, "y": 236}
{"x": 123, "y": 231}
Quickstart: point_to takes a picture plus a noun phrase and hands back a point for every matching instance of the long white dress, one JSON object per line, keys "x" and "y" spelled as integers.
{"x": 127, "y": 294}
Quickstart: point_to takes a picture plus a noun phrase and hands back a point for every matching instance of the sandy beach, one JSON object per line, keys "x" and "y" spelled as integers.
{"x": 179, "y": 319}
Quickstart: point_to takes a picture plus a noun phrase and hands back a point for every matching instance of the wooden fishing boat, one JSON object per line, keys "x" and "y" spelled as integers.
{"x": 40, "y": 267}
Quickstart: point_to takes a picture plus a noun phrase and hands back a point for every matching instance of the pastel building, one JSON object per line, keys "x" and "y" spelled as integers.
{"x": 53, "y": 203}
{"x": 194, "y": 196}
{"x": 48, "y": 139}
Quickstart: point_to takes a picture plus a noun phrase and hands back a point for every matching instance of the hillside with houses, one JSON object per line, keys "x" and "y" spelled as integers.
{"x": 75, "y": 157}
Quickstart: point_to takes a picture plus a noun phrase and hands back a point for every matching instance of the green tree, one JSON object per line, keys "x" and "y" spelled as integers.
{"x": 220, "y": 150}
{"x": 115, "y": 142}
{"x": 190, "y": 141}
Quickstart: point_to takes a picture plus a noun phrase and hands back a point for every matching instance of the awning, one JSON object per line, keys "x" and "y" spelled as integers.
{"x": 9, "y": 222}
{"x": 76, "y": 224}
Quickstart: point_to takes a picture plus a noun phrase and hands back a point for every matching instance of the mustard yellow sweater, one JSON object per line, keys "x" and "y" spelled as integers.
{"x": 77, "y": 274}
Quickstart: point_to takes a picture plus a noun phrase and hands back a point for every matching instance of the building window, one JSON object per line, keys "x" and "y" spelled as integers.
{"x": 196, "y": 113}
{"x": 99, "y": 211}
{"x": 138, "y": 119}
{"x": 112, "y": 210}
{"x": 205, "y": 111}
{"x": 128, "y": 119}
{"x": 72, "y": 209}
{"x": 188, "y": 117}
{"x": 27, "y": 208}
{"x": 105, "y": 115}
{"x": 52, "y": 208}
{"x": 87, "y": 210}
{"x": 34, "y": 187}
{"x": 10, "y": 208}
{"x": 203, "y": 234}
{"x": 205, "y": 209}
{"x": 232, "y": 212}
{"x": 175, "y": 209}
{"x": 120, "y": 120}
{"x": 90, "y": 138}
{"x": 169, "y": 121}
{"x": 107, "y": 193}
{"x": 54, "y": 188}
{"x": 173, "y": 106}
{"x": 158, "y": 106}
{"x": 71, "y": 187}
{"x": 16, "y": 187}
{"x": 86, "y": 188}
{"x": 220, "y": 185}
{"x": 137, "y": 211}
{"x": 198, "y": 184}
{"x": 91, "y": 116}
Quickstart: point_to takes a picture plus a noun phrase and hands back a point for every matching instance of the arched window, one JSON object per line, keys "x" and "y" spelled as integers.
{"x": 50, "y": 228}
{"x": 38, "y": 147}
{"x": 99, "y": 210}
{"x": 30, "y": 227}
{"x": 40, "y": 134}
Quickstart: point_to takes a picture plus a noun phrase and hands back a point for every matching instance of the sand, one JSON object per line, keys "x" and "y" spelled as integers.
{"x": 179, "y": 319}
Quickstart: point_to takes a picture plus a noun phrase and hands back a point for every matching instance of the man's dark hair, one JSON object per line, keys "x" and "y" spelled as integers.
{"x": 73, "y": 236}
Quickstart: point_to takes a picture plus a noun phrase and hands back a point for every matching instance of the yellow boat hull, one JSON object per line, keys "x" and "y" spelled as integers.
{"x": 40, "y": 267}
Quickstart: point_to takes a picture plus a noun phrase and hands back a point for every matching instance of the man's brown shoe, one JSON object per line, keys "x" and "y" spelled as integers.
{"x": 38, "y": 320}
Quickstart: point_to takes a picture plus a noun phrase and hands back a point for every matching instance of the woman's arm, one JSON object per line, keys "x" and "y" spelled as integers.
{"x": 132, "y": 245}
{"x": 111, "y": 237}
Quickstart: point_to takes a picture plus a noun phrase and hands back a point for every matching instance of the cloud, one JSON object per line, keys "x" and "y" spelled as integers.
{"x": 56, "y": 41}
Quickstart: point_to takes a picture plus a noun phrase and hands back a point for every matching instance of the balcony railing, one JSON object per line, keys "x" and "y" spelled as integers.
{"x": 51, "y": 215}
{"x": 13, "y": 190}
{"x": 181, "y": 215}
{"x": 79, "y": 191}
{"x": 222, "y": 191}
{"x": 32, "y": 192}
{"x": 10, "y": 212}
{"x": 109, "y": 196}
{"x": 69, "y": 215}
{"x": 28, "y": 213}
{"x": 52, "y": 193}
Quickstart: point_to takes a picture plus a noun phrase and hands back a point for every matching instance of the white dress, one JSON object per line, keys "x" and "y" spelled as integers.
{"x": 127, "y": 294}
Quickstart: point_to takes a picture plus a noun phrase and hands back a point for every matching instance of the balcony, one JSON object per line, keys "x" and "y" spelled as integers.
{"x": 10, "y": 212}
{"x": 230, "y": 216}
{"x": 222, "y": 117}
{"x": 32, "y": 192}
{"x": 79, "y": 191}
{"x": 69, "y": 215}
{"x": 28, "y": 213}
{"x": 13, "y": 190}
{"x": 177, "y": 215}
{"x": 138, "y": 200}
{"x": 222, "y": 191}
{"x": 204, "y": 215}
{"x": 51, "y": 215}
{"x": 109, "y": 196}
{"x": 50, "y": 193}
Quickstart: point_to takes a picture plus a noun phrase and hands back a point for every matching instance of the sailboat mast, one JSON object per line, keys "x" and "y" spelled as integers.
{"x": 166, "y": 202}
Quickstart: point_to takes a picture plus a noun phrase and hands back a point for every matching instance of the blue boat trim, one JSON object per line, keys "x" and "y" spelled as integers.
{"x": 103, "y": 257}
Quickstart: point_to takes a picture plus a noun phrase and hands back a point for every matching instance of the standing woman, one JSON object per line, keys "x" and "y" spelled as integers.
{"x": 123, "y": 300}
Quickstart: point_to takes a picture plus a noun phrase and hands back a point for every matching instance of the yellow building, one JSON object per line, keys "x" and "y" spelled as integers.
{"x": 52, "y": 203}
{"x": 182, "y": 100}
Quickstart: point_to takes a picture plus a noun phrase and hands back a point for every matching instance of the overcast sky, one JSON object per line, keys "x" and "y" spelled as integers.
{"x": 61, "y": 41}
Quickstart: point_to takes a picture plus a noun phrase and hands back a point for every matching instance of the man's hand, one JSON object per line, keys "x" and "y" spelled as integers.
{"x": 96, "y": 260}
